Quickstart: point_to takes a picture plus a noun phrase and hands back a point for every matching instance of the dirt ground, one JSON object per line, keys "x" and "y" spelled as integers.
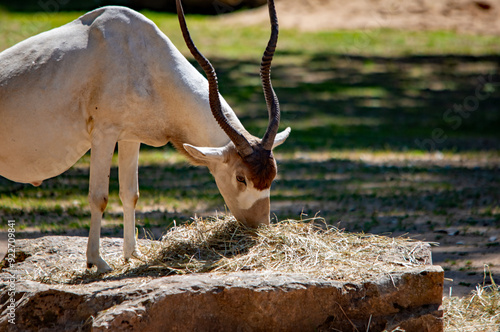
{"x": 468, "y": 16}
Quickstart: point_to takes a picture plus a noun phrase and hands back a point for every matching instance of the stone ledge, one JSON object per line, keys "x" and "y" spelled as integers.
{"x": 246, "y": 301}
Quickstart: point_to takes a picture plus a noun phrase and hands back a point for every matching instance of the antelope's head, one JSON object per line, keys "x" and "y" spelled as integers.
{"x": 245, "y": 168}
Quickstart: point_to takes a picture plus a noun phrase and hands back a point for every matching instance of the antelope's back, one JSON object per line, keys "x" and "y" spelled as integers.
{"x": 51, "y": 85}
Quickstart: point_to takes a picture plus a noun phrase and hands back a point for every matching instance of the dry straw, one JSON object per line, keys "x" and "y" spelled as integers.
{"x": 310, "y": 246}
{"x": 222, "y": 244}
{"x": 479, "y": 311}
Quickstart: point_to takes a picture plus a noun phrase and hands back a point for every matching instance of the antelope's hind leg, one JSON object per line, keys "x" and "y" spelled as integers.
{"x": 101, "y": 153}
{"x": 128, "y": 163}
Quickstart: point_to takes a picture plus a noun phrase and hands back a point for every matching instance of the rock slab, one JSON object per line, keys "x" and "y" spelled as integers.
{"x": 243, "y": 301}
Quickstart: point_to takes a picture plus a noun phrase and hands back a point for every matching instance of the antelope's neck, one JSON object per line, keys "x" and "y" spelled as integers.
{"x": 185, "y": 103}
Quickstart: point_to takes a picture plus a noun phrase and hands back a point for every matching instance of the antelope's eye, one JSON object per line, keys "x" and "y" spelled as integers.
{"x": 241, "y": 179}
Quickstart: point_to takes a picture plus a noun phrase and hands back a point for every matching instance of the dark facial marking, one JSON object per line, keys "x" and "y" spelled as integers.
{"x": 262, "y": 167}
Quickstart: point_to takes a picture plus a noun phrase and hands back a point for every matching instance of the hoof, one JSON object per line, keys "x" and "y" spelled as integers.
{"x": 102, "y": 266}
{"x": 135, "y": 254}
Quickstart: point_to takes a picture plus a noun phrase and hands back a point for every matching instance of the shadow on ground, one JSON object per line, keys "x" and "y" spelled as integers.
{"x": 439, "y": 112}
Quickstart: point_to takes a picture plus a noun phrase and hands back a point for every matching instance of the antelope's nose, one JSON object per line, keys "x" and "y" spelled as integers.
{"x": 257, "y": 214}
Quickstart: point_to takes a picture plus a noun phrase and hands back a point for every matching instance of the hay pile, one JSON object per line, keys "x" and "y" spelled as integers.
{"x": 222, "y": 245}
{"x": 479, "y": 311}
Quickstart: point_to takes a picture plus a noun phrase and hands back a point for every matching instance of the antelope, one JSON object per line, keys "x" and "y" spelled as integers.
{"x": 112, "y": 77}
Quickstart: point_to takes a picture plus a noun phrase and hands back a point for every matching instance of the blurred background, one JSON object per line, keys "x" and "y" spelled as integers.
{"x": 197, "y": 6}
{"x": 394, "y": 109}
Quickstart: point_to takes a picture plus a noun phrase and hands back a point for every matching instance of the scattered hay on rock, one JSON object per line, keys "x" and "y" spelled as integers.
{"x": 222, "y": 244}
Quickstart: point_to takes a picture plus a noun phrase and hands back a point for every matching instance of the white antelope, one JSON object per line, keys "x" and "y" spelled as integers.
{"x": 111, "y": 76}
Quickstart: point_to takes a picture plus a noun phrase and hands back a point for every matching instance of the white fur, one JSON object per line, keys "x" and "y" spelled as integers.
{"x": 109, "y": 76}
{"x": 251, "y": 195}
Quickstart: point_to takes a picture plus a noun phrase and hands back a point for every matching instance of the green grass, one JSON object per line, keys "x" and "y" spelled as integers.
{"x": 223, "y": 41}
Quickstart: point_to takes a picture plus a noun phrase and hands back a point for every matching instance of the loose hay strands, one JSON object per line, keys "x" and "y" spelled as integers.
{"x": 222, "y": 244}
{"x": 478, "y": 312}
{"x": 324, "y": 251}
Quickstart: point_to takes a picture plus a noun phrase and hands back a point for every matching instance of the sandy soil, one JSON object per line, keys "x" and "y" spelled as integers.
{"x": 467, "y": 16}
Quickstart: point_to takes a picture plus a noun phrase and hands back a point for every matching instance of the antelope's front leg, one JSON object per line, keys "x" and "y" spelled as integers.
{"x": 128, "y": 159}
{"x": 101, "y": 153}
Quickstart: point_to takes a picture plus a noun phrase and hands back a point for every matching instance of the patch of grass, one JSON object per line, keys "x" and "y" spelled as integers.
{"x": 479, "y": 311}
{"x": 15, "y": 27}
{"x": 213, "y": 38}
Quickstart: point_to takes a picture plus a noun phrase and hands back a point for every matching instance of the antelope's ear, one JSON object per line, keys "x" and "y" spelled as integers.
{"x": 205, "y": 155}
{"x": 281, "y": 137}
